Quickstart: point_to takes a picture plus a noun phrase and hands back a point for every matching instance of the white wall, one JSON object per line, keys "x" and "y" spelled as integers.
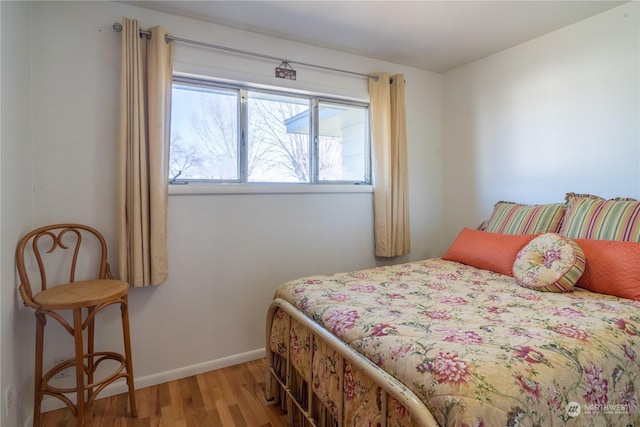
{"x": 557, "y": 114}
{"x": 227, "y": 253}
{"x": 15, "y": 154}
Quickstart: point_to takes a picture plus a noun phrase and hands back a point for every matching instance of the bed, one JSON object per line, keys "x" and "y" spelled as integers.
{"x": 471, "y": 339}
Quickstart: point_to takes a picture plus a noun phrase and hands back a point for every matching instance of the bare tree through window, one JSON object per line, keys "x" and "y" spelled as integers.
{"x": 276, "y": 155}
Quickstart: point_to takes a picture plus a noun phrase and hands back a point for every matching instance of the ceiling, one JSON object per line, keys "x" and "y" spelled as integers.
{"x": 431, "y": 35}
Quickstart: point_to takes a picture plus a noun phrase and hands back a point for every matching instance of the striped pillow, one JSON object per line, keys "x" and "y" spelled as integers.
{"x": 514, "y": 218}
{"x": 592, "y": 217}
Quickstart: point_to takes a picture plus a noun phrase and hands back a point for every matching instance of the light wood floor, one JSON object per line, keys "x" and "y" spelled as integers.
{"x": 232, "y": 397}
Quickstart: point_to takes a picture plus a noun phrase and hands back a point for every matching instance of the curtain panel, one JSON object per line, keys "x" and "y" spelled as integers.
{"x": 145, "y": 103}
{"x": 389, "y": 165}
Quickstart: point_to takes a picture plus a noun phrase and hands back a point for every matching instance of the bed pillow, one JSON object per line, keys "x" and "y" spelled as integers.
{"x": 613, "y": 268}
{"x": 489, "y": 251}
{"x": 592, "y": 217}
{"x": 550, "y": 263}
{"x": 514, "y": 218}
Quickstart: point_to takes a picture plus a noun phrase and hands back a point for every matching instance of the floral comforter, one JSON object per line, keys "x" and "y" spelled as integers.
{"x": 479, "y": 350}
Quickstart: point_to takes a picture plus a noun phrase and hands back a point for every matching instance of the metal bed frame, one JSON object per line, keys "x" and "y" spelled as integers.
{"x": 285, "y": 386}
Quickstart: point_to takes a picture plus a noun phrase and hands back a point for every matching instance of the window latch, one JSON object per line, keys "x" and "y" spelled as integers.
{"x": 174, "y": 181}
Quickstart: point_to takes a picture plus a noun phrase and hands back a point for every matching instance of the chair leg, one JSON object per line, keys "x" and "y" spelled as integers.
{"x": 77, "y": 335}
{"x": 90, "y": 349}
{"x": 41, "y": 321}
{"x": 124, "y": 308}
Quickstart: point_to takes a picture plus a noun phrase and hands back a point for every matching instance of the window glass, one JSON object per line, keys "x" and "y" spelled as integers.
{"x": 342, "y": 142}
{"x": 204, "y": 133}
{"x": 226, "y": 133}
{"x": 278, "y": 138}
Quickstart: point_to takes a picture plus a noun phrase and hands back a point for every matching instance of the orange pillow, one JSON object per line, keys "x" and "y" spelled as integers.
{"x": 612, "y": 268}
{"x": 489, "y": 251}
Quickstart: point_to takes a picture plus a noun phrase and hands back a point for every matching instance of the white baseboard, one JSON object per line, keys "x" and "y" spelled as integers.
{"x": 51, "y": 403}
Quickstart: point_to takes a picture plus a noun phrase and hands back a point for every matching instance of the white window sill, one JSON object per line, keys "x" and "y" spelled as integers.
{"x": 199, "y": 188}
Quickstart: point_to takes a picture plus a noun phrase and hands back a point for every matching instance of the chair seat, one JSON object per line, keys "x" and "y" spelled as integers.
{"x": 86, "y": 293}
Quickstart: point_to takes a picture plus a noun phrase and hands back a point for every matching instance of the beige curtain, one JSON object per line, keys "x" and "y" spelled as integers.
{"x": 145, "y": 101}
{"x": 390, "y": 174}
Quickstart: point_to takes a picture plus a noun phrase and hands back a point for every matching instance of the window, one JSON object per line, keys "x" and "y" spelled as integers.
{"x": 232, "y": 134}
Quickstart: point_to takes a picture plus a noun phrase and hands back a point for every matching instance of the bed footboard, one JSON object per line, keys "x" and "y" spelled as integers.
{"x": 321, "y": 381}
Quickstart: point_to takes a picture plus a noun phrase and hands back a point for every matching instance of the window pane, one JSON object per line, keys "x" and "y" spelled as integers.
{"x": 342, "y": 142}
{"x": 204, "y": 133}
{"x": 278, "y": 138}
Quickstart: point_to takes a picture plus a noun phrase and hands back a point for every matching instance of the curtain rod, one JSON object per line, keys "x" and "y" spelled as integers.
{"x": 117, "y": 27}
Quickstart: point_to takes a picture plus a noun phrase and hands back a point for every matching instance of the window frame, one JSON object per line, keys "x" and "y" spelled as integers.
{"x": 242, "y": 184}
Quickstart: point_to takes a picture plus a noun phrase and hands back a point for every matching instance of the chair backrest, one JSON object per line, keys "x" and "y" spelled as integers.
{"x": 74, "y": 241}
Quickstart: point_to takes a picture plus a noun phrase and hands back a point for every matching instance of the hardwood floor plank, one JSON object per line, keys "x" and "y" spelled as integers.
{"x": 243, "y": 396}
{"x": 191, "y": 398}
{"x": 226, "y": 418}
{"x": 215, "y": 417}
{"x": 238, "y": 416}
{"x": 159, "y": 397}
{"x": 229, "y": 397}
{"x": 176, "y": 411}
{"x": 208, "y": 399}
{"x": 228, "y": 390}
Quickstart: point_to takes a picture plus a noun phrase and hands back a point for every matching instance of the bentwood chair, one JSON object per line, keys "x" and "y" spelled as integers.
{"x": 81, "y": 250}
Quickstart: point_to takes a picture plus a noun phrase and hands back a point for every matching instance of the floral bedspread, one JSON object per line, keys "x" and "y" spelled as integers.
{"x": 479, "y": 350}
